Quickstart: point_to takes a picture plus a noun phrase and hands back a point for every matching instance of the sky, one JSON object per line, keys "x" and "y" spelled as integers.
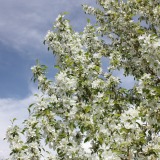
{"x": 23, "y": 25}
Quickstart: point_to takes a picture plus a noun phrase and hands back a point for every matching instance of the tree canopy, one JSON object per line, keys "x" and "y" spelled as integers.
{"x": 87, "y": 105}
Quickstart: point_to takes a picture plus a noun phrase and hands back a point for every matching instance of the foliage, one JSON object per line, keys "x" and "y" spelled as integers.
{"x": 85, "y": 105}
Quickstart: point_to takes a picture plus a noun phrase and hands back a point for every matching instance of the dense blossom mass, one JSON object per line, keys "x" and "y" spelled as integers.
{"x": 87, "y": 105}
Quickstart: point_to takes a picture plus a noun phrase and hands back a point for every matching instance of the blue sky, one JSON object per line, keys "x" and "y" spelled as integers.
{"x": 23, "y": 25}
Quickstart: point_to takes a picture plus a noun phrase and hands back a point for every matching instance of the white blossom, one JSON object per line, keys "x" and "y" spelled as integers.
{"x": 85, "y": 113}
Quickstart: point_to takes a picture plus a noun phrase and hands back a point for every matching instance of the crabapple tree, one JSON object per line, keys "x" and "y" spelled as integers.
{"x": 86, "y": 105}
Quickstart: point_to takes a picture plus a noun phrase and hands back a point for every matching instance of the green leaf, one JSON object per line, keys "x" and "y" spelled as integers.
{"x": 140, "y": 31}
{"x": 82, "y": 128}
{"x": 88, "y": 20}
{"x": 72, "y": 126}
{"x": 69, "y": 144}
{"x": 97, "y": 68}
{"x": 62, "y": 135}
{"x": 100, "y": 139}
{"x": 14, "y": 119}
{"x": 29, "y": 108}
{"x": 56, "y": 66}
{"x": 24, "y": 147}
{"x": 87, "y": 139}
{"x": 65, "y": 13}
{"x": 87, "y": 109}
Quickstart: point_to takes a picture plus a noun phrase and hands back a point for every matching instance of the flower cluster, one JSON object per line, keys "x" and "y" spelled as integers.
{"x": 87, "y": 106}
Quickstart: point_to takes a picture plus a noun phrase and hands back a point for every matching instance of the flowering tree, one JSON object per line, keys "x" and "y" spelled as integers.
{"x": 85, "y": 105}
